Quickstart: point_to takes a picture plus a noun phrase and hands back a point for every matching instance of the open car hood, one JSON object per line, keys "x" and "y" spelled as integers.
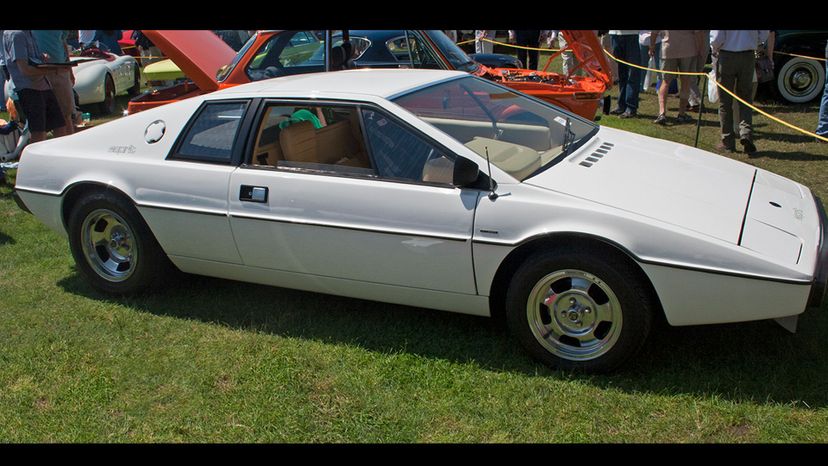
{"x": 199, "y": 53}
{"x": 588, "y": 50}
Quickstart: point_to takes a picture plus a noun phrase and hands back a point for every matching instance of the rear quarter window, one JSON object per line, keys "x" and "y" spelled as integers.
{"x": 213, "y": 133}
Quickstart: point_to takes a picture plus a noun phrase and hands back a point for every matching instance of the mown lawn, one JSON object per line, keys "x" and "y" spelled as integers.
{"x": 208, "y": 360}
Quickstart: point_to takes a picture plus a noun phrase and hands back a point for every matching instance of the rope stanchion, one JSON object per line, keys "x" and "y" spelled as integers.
{"x": 720, "y": 86}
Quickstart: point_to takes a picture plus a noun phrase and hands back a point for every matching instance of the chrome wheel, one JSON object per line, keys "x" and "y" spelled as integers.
{"x": 574, "y": 315}
{"x": 109, "y": 245}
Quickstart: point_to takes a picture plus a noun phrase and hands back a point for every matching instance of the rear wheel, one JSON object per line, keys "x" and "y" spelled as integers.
{"x": 136, "y": 85}
{"x": 113, "y": 246}
{"x": 576, "y": 310}
{"x": 107, "y": 107}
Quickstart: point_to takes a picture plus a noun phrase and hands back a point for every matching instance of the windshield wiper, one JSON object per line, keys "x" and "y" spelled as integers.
{"x": 569, "y": 136}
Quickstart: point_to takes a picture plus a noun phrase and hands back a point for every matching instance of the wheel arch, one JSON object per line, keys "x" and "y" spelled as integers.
{"x": 507, "y": 268}
{"x": 77, "y": 190}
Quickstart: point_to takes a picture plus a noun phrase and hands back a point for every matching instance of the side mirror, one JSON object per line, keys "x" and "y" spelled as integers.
{"x": 465, "y": 172}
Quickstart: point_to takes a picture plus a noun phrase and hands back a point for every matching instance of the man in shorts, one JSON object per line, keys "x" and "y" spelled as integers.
{"x": 680, "y": 51}
{"x": 52, "y": 43}
{"x": 37, "y": 101}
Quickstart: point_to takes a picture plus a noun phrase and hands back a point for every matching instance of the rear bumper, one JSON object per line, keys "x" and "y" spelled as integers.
{"x": 820, "y": 283}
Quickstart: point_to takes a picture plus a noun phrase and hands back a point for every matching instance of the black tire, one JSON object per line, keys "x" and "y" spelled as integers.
{"x": 112, "y": 245}
{"x": 603, "y": 304}
{"x": 107, "y": 107}
{"x": 799, "y": 80}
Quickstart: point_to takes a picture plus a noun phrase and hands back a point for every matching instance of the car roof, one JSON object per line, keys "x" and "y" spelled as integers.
{"x": 384, "y": 83}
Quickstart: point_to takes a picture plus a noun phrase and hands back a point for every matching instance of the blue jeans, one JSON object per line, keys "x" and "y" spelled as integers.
{"x": 822, "y": 125}
{"x": 626, "y": 48}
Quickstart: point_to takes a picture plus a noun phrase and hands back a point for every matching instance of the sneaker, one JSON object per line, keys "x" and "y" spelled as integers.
{"x": 628, "y": 114}
{"x": 684, "y": 118}
{"x": 748, "y": 145}
{"x": 617, "y": 111}
{"x": 661, "y": 120}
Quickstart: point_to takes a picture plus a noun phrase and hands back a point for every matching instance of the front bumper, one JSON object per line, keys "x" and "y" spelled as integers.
{"x": 820, "y": 283}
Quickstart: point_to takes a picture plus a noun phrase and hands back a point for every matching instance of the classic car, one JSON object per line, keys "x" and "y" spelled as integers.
{"x": 799, "y": 79}
{"x": 438, "y": 189}
{"x": 100, "y": 76}
{"x": 271, "y": 54}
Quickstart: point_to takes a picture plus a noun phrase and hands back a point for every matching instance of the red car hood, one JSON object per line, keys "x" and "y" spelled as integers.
{"x": 199, "y": 53}
{"x": 588, "y": 50}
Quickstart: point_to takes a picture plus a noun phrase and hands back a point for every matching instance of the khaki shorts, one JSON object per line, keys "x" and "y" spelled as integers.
{"x": 61, "y": 82}
{"x": 684, "y": 65}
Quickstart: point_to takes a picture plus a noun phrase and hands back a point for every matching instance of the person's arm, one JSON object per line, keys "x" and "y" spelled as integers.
{"x": 653, "y": 36}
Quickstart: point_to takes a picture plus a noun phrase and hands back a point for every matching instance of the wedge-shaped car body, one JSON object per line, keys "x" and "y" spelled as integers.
{"x": 271, "y": 54}
{"x": 439, "y": 189}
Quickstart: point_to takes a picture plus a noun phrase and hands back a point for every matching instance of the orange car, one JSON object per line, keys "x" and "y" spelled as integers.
{"x": 213, "y": 65}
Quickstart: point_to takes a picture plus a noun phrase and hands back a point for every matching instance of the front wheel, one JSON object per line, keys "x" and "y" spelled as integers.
{"x": 576, "y": 310}
{"x": 112, "y": 245}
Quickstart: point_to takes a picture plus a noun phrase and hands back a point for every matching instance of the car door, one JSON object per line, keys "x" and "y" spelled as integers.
{"x": 322, "y": 197}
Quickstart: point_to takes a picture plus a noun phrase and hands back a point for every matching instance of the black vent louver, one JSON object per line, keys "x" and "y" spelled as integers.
{"x": 597, "y": 155}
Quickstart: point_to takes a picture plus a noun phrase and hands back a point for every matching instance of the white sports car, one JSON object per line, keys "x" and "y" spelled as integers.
{"x": 100, "y": 76}
{"x": 439, "y": 189}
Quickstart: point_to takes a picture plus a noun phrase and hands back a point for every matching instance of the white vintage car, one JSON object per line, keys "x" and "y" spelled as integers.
{"x": 437, "y": 189}
{"x": 100, "y": 76}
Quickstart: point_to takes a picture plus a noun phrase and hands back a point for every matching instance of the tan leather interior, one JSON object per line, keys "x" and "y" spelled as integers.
{"x": 334, "y": 144}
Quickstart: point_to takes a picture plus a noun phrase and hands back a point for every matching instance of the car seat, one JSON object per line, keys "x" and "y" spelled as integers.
{"x": 342, "y": 57}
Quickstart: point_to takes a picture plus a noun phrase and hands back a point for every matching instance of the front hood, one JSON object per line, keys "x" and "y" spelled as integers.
{"x": 199, "y": 53}
{"x": 588, "y": 50}
{"x": 662, "y": 180}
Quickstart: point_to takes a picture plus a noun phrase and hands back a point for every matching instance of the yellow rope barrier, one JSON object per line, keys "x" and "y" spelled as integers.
{"x": 751, "y": 106}
{"x": 505, "y": 44}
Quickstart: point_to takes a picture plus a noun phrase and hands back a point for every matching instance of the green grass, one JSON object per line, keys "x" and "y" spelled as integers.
{"x": 207, "y": 360}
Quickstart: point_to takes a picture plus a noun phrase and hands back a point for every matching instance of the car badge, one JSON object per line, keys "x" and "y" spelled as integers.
{"x": 155, "y": 131}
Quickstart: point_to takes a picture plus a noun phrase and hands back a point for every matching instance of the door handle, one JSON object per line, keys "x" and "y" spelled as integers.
{"x": 253, "y": 194}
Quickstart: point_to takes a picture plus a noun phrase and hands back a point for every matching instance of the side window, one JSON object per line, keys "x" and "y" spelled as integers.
{"x": 400, "y": 154}
{"x": 211, "y": 136}
{"x": 312, "y": 138}
{"x": 421, "y": 55}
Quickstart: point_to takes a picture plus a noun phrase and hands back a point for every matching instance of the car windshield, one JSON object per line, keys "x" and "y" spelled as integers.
{"x": 517, "y": 133}
{"x": 454, "y": 54}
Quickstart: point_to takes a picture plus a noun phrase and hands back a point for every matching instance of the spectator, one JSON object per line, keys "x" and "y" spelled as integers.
{"x": 37, "y": 101}
{"x": 527, "y": 38}
{"x": 822, "y": 125}
{"x": 452, "y": 34}
{"x": 230, "y": 37}
{"x": 481, "y": 45}
{"x": 644, "y": 45}
{"x": 52, "y": 43}
{"x": 86, "y": 37}
{"x": 108, "y": 39}
{"x": 625, "y": 47}
{"x": 149, "y": 52}
{"x": 735, "y": 55}
{"x": 679, "y": 53}
{"x": 694, "y": 100}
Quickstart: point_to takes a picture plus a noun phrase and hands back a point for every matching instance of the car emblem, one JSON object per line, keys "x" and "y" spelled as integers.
{"x": 155, "y": 131}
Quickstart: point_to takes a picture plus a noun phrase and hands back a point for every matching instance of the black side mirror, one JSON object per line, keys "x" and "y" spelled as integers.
{"x": 465, "y": 172}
